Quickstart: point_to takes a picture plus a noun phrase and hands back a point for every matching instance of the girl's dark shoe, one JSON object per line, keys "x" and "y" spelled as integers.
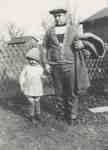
{"x": 34, "y": 121}
{"x": 38, "y": 117}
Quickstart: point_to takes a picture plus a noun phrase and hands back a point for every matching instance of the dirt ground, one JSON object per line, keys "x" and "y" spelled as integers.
{"x": 88, "y": 132}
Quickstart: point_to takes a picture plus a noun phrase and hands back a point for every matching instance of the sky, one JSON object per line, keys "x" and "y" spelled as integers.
{"x": 28, "y": 14}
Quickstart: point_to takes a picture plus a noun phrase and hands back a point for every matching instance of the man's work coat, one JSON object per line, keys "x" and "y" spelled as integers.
{"x": 68, "y": 59}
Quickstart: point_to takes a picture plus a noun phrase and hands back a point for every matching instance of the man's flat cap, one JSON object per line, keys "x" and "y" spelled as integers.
{"x": 57, "y": 11}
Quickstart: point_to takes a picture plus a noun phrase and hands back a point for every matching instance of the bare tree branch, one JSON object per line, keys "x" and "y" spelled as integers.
{"x": 14, "y": 31}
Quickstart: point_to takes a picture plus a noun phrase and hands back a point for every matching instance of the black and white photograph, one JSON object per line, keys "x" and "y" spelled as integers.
{"x": 53, "y": 74}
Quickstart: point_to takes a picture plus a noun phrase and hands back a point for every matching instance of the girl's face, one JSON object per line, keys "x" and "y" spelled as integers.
{"x": 33, "y": 62}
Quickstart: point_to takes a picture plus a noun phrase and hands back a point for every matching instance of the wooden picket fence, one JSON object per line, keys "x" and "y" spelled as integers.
{"x": 12, "y": 60}
{"x": 98, "y": 67}
{"x": 98, "y": 71}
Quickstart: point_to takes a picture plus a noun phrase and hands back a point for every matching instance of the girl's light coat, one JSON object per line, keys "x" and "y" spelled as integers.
{"x": 30, "y": 80}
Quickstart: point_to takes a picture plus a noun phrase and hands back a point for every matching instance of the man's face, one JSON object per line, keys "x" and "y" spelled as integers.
{"x": 61, "y": 19}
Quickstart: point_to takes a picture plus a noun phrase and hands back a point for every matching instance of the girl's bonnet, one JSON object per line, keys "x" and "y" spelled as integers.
{"x": 34, "y": 54}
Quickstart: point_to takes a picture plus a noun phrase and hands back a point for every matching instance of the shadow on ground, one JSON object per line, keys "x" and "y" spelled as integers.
{"x": 88, "y": 132}
{"x": 14, "y": 100}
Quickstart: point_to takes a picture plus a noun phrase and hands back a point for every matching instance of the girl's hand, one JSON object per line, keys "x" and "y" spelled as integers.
{"x": 47, "y": 69}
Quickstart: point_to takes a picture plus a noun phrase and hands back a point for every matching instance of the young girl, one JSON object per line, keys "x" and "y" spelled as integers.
{"x": 31, "y": 83}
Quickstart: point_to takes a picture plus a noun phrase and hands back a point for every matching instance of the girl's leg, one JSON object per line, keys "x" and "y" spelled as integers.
{"x": 37, "y": 106}
{"x": 32, "y": 106}
{"x": 32, "y": 110}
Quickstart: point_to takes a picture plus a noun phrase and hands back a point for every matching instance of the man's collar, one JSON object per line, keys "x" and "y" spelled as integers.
{"x": 60, "y": 30}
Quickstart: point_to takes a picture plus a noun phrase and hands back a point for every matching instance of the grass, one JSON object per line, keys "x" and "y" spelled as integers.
{"x": 88, "y": 132}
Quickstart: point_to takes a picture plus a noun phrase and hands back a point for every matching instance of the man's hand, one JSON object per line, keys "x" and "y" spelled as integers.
{"x": 78, "y": 44}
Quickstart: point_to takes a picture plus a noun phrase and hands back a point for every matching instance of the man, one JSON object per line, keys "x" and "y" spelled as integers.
{"x": 65, "y": 55}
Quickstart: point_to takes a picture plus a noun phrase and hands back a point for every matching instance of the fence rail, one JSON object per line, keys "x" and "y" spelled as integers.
{"x": 98, "y": 67}
{"x": 12, "y": 60}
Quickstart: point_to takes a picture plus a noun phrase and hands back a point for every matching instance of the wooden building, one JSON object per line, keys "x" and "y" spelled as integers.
{"x": 25, "y": 41}
{"x": 98, "y": 24}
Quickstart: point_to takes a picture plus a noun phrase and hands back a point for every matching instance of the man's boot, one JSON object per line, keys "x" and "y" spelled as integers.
{"x": 67, "y": 112}
{"x": 71, "y": 110}
{"x": 74, "y": 110}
